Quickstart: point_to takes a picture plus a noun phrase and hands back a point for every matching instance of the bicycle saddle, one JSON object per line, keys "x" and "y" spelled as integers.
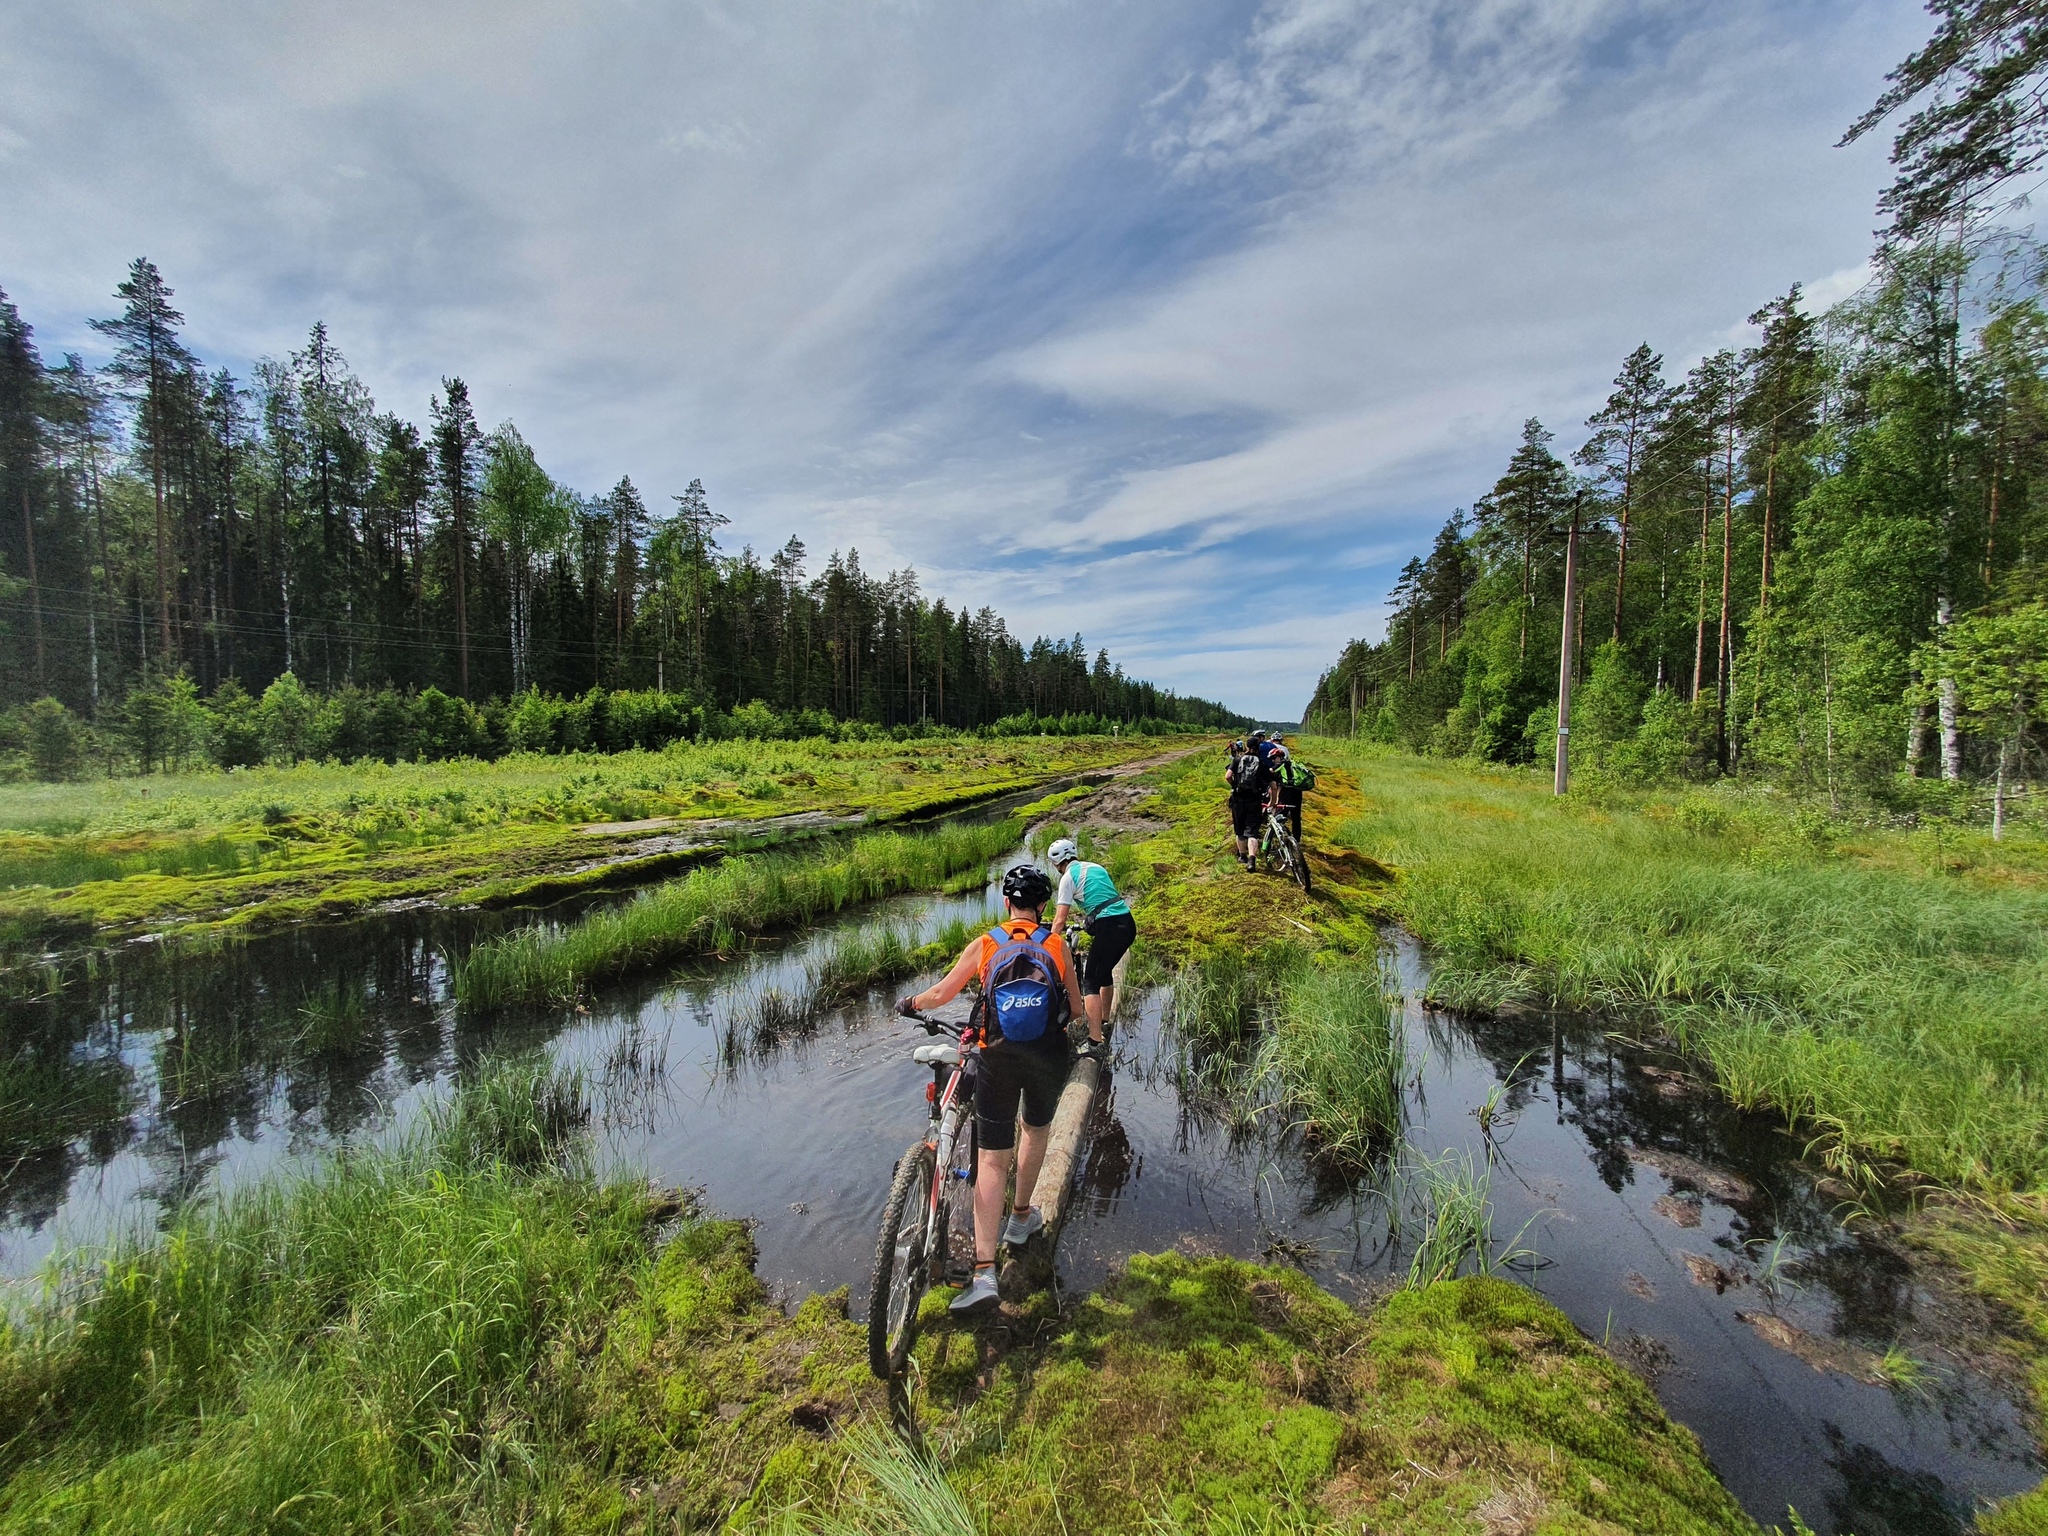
{"x": 936, "y": 1055}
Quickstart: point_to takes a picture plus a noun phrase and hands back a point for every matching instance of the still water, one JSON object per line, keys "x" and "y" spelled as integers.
{"x": 1687, "y": 1236}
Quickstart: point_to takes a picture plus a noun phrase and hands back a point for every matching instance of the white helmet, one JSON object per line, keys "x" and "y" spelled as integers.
{"x": 1063, "y": 851}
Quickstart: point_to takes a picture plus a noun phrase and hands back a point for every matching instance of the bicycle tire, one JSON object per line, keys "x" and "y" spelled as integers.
{"x": 1301, "y": 867}
{"x": 902, "y": 1269}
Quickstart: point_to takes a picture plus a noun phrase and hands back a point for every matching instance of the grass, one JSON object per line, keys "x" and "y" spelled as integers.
{"x": 1319, "y": 1041}
{"x": 377, "y": 1347}
{"x": 266, "y": 846}
{"x": 1337, "y": 1052}
{"x": 713, "y": 909}
{"x": 854, "y": 964}
{"x": 1890, "y": 1008}
{"x": 1455, "y": 1203}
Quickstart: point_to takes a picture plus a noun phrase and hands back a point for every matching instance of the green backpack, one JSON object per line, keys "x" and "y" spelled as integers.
{"x": 1295, "y": 774}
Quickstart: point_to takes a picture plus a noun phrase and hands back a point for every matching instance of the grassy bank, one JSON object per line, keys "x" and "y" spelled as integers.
{"x": 472, "y": 1331}
{"x": 1884, "y": 990}
{"x": 273, "y": 845}
{"x": 712, "y": 909}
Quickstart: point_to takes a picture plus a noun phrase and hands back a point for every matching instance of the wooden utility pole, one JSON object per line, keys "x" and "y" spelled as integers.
{"x": 1565, "y": 658}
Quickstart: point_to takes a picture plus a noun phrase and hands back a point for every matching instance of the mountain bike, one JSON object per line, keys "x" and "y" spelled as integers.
{"x": 1285, "y": 854}
{"x": 927, "y": 1236}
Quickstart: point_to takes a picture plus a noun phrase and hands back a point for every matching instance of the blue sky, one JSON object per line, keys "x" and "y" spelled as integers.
{"x": 1177, "y": 323}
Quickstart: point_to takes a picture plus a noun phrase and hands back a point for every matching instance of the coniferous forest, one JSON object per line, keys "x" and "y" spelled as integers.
{"x": 179, "y": 545}
{"x": 1818, "y": 558}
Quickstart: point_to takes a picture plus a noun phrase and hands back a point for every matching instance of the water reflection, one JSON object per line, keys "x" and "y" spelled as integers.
{"x": 178, "y": 1074}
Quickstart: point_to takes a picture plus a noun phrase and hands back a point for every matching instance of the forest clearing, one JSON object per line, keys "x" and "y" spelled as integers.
{"x": 1367, "y": 1283}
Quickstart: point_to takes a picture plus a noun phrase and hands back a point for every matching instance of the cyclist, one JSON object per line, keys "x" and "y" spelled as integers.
{"x": 1291, "y": 780}
{"x": 1107, "y": 917}
{"x": 1034, "y": 1071}
{"x": 1246, "y": 779}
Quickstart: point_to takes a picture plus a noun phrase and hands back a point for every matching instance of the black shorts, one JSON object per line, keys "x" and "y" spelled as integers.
{"x": 1247, "y": 814}
{"x": 1036, "y": 1073}
{"x": 1109, "y": 940}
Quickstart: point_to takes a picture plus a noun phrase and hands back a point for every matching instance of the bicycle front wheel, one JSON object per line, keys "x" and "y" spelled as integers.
{"x": 902, "y": 1267}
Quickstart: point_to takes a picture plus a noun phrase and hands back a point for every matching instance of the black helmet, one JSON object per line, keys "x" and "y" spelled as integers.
{"x": 1027, "y": 886}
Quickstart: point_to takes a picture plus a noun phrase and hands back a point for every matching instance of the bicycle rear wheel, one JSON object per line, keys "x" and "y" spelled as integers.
{"x": 1298, "y": 857}
{"x": 902, "y": 1266}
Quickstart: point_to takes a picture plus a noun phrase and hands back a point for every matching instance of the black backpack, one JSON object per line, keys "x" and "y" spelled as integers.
{"x": 1247, "y": 774}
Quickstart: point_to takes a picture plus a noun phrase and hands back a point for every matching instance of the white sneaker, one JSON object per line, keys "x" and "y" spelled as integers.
{"x": 1018, "y": 1230}
{"x": 978, "y": 1297}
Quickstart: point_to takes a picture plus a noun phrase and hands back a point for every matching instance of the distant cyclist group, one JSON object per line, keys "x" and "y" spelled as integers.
{"x": 1265, "y": 780}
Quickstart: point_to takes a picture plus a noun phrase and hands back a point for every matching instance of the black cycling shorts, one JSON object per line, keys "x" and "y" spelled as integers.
{"x": 1248, "y": 814}
{"x": 1036, "y": 1073}
{"x": 1109, "y": 940}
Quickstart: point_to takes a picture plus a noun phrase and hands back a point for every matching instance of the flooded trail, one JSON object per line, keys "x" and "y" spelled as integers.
{"x": 1689, "y": 1237}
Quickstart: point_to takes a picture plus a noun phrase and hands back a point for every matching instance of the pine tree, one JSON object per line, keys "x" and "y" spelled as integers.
{"x": 1622, "y": 430}
{"x": 21, "y": 451}
{"x": 148, "y": 361}
{"x": 456, "y": 440}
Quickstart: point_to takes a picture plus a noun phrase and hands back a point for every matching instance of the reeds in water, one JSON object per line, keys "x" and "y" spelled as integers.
{"x": 1337, "y": 1057}
{"x": 1320, "y": 1044}
{"x": 352, "y": 1351}
{"x": 713, "y": 909}
{"x": 1455, "y": 1200}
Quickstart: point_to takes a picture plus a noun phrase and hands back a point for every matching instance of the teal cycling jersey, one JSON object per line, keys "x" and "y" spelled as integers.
{"x": 1088, "y": 887}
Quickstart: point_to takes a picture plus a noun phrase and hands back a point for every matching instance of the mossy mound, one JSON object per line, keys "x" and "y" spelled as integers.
{"x": 1201, "y": 1390}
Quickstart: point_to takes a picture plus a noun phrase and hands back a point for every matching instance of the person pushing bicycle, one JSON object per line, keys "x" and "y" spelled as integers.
{"x": 1107, "y": 917}
{"x": 1028, "y": 992}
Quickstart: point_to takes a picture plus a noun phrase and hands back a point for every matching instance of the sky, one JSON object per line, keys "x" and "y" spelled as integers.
{"x": 1178, "y": 324}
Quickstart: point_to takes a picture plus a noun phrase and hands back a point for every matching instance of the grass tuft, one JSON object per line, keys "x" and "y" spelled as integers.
{"x": 711, "y": 910}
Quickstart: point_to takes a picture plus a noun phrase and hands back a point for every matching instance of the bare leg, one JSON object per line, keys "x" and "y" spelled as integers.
{"x": 991, "y": 1184}
{"x": 1031, "y": 1141}
{"x": 1095, "y": 1002}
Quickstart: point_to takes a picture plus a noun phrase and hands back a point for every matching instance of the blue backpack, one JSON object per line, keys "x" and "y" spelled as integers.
{"x": 1023, "y": 989}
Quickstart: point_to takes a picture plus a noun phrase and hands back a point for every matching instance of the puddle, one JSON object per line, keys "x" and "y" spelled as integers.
{"x": 1686, "y": 1235}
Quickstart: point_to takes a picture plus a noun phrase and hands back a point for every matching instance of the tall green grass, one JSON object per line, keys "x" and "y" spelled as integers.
{"x": 385, "y": 1346}
{"x": 1337, "y": 1056}
{"x": 1320, "y": 1043}
{"x": 1894, "y": 1007}
{"x": 712, "y": 909}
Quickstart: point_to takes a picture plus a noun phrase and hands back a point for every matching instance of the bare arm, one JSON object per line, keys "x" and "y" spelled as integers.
{"x": 945, "y": 990}
{"x": 1059, "y": 918}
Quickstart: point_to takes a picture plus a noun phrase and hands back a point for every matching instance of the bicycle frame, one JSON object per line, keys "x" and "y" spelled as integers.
{"x": 949, "y": 1120}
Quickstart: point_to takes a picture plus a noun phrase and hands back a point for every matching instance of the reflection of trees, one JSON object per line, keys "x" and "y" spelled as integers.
{"x": 1603, "y": 1091}
{"x": 332, "y": 1019}
{"x": 1878, "y": 1497}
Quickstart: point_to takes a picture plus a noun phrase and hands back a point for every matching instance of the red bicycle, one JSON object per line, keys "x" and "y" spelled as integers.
{"x": 928, "y": 1224}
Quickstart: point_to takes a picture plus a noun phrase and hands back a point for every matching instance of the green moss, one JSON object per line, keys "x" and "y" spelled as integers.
{"x": 1193, "y": 1392}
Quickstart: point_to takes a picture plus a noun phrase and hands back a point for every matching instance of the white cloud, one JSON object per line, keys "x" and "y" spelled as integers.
{"x": 1110, "y": 316}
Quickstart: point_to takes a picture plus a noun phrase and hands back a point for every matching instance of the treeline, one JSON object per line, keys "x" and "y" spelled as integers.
{"x": 1817, "y": 558}
{"x": 162, "y": 520}
{"x": 166, "y": 724}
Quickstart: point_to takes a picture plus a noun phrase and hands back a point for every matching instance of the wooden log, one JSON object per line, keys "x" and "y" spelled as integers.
{"x": 1032, "y": 1269}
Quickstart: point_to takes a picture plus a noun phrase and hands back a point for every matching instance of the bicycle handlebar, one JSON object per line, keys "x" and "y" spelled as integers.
{"x": 934, "y": 1026}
